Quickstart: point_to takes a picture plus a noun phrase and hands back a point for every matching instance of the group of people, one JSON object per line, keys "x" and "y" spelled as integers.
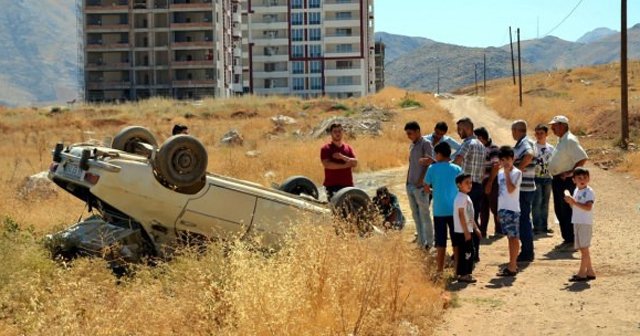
{"x": 468, "y": 181}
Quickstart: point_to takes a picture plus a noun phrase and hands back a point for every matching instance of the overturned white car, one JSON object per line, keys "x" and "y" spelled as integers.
{"x": 150, "y": 199}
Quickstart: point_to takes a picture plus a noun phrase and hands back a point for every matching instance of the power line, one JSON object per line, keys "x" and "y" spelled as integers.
{"x": 565, "y": 18}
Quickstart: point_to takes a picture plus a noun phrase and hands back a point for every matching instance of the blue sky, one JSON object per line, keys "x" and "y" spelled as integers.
{"x": 482, "y": 23}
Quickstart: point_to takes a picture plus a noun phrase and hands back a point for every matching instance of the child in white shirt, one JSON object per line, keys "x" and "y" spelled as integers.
{"x": 509, "y": 180}
{"x": 464, "y": 226}
{"x": 582, "y": 218}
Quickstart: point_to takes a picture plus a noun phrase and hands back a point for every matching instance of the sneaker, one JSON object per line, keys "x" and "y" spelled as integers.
{"x": 467, "y": 279}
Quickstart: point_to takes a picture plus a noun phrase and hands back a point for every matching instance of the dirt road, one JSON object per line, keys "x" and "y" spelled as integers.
{"x": 540, "y": 300}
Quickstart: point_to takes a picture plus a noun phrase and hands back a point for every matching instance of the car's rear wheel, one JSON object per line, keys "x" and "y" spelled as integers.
{"x": 355, "y": 207}
{"x": 299, "y": 185}
{"x": 182, "y": 161}
{"x": 128, "y": 138}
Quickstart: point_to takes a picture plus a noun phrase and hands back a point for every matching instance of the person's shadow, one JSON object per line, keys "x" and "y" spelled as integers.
{"x": 577, "y": 286}
{"x": 559, "y": 252}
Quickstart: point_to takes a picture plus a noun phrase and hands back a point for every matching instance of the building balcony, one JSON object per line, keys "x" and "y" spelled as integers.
{"x": 334, "y": 54}
{"x": 344, "y": 88}
{"x": 111, "y": 8}
{"x": 342, "y": 39}
{"x": 100, "y": 66}
{"x": 343, "y": 72}
{"x": 260, "y": 26}
{"x": 271, "y": 41}
{"x": 191, "y": 6}
{"x": 339, "y": 23}
{"x": 271, "y": 74}
{"x": 192, "y": 64}
{"x": 272, "y": 58}
{"x": 341, "y": 7}
{"x": 112, "y": 46}
{"x": 193, "y": 45}
{"x": 117, "y": 85}
{"x": 192, "y": 25}
{"x": 260, "y": 9}
{"x": 194, "y": 83}
{"x": 272, "y": 91}
{"x": 101, "y": 28}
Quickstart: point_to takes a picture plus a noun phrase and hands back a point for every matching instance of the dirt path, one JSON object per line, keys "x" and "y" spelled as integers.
{"x": 540, "y": 300}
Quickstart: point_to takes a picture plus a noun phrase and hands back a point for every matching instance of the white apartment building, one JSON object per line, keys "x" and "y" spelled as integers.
{"x": 307, "y": 48}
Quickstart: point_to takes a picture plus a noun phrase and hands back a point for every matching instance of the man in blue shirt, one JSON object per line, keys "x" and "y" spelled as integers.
{"x": 440, "y": 180}
{"x": 440, "y": 135}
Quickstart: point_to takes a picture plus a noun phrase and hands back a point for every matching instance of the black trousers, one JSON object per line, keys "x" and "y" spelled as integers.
{"x": 465, "y": 254}
{"x": 563, "y": 209}
{"x": 476, "y": 195}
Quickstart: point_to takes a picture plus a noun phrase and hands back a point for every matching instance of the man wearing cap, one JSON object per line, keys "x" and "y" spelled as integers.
{"x": 567, "y": 156}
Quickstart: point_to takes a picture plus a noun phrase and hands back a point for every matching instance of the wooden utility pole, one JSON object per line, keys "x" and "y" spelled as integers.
{"x": 484, "y": 75}
{"x": 513, "y": 63}
{"x": 624, "y": 94}
{"x": 475, "y": 75}
{"x": 519, "y": 69}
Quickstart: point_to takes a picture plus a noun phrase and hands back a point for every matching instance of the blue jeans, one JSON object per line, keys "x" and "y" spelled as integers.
{"x": 526, "y": 230}
{"x": 419, "y": 203}
{"x": 540, "y": 209}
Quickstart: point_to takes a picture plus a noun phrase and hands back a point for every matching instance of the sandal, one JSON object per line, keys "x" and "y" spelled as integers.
{"x": 591, "y": 277}
{"x": 467, "y": 279}
{"x": 577, "y": 278}
{"x": 505, "y": 272}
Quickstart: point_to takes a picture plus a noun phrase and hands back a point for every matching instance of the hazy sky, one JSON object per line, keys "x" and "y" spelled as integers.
{"x": 481, "y": 23}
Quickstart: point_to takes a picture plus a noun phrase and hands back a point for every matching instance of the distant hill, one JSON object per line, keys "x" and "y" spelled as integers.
{"x": 596, "y": 34}
{"x": 398, "y": 45}
{"x": 417, "y": 68}
{"x": 38, "y": 53}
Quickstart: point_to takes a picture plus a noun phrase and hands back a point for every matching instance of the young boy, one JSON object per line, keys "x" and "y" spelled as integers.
{"x": 440, "y": 180}
{"x": 582, "y": 218}
{"x": 509, "y": 180}
{"x": 463, "y": 226}
{"x": 540, "y": 208}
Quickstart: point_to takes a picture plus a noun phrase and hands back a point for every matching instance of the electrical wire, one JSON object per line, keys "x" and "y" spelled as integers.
{"x": 565, "y": 18}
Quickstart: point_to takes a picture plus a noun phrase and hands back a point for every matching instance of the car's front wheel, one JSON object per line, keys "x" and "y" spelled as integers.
{"x": 182, "y": 161}
{"x": 355, "y": 207}
{"x": 299, "y": 185}
{"x": 129, "y": 137}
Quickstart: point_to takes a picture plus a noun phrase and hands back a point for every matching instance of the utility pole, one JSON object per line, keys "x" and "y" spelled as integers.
{"x": 519, "y": 69}
{"x": 624, "y": 103}
{"x": 438, "y": 87}
{"x": 484, "y": 75}
{"x": 513, "y": 63}
{"x": 475, "y": 75}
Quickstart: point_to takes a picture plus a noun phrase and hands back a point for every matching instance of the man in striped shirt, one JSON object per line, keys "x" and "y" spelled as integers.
{"x": 525, "y": 151}
{"x": 470, "y": 156}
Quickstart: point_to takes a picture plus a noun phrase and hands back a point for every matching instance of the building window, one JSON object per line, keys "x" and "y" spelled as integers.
{"x": 345, "y": 80}
{"x": 296, "y": 4}
{"x": 314, "y": 17}
{"x": 344, "y": 65}
{"x": 343, "y": 1}
{"x": 344, "y": 48}
{"x": 315, "y": 66}
{"x": 296, "y": 18}
{"x": 314, "y": 3}
{"x": 270, "y": 34}
{"x": 298, "y": 84}
{"x": 297, "y": 34}
{"x": 315, "y": 34}
{"x": 343, "y": 32}
{"x": 270, "y": 51}
{"x": 315, "y": 50}
{"x": 269, "y": 67}
{"x": 343, "y": 16}
{"x": 297, "y": 51}
{"x": 297, "y": 67}
{"x": 316, "y": 83}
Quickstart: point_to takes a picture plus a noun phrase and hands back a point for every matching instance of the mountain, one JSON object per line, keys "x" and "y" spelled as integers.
{"x": 398, "y": 45}
{"x": 596, "y": 34}
{"x": 38, "y": 53}
{"x": 417, "y": 69}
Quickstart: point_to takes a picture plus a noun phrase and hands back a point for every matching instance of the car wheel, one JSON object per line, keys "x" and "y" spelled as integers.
{"x": 299, "y": 185}
{"x": 354, "y": 206}
{"x": 128, "y": 137}
{"x": 181, "y": 161}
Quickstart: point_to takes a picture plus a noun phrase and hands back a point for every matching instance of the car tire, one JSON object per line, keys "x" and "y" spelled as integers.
{"x": 299, "y": 185}
{"x": 128, "y": 137}
{"x": 354, "y": 206}
{"x": 182, "y": 161}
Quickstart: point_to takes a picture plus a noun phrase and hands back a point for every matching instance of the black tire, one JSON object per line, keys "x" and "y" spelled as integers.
{"x": 128, "y": 137}
{"x": 299, "y": 185}
{"x": 355, "y": 207}
{"x": 182, "y": 161}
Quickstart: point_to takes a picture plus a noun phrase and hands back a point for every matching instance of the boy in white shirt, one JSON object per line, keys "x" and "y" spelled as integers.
{"x": 582, "y": 218}
{"x": 509, "y": 180}
{"x": 463, "y": 226}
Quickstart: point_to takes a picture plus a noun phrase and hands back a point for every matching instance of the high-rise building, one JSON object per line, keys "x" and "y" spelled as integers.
{"x": 308, "y": 47}
{"x": 134, "y": 49}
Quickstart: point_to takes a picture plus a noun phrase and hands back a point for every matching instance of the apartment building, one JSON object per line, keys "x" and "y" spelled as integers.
{"x": 135, "y": 49}
{"x": 307, "y": 48}
{"x": 379, "y": 54}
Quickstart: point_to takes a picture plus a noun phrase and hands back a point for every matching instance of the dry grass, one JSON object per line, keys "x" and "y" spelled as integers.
{"x": 589, "y": 97}
{"x": 320, "y": 284}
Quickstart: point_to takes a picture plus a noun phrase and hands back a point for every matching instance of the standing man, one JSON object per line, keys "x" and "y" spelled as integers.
{"x": 489, "y": 183}
{"x": 420, "y": 157}
{"x": 540, "y": 208}
{"x": 440, "y": 135}
{"x": 524, "y": 153}
{"x": 338, "y": 159}
{"x": 567, "y": 156}
{"x": 470, "y": 156}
